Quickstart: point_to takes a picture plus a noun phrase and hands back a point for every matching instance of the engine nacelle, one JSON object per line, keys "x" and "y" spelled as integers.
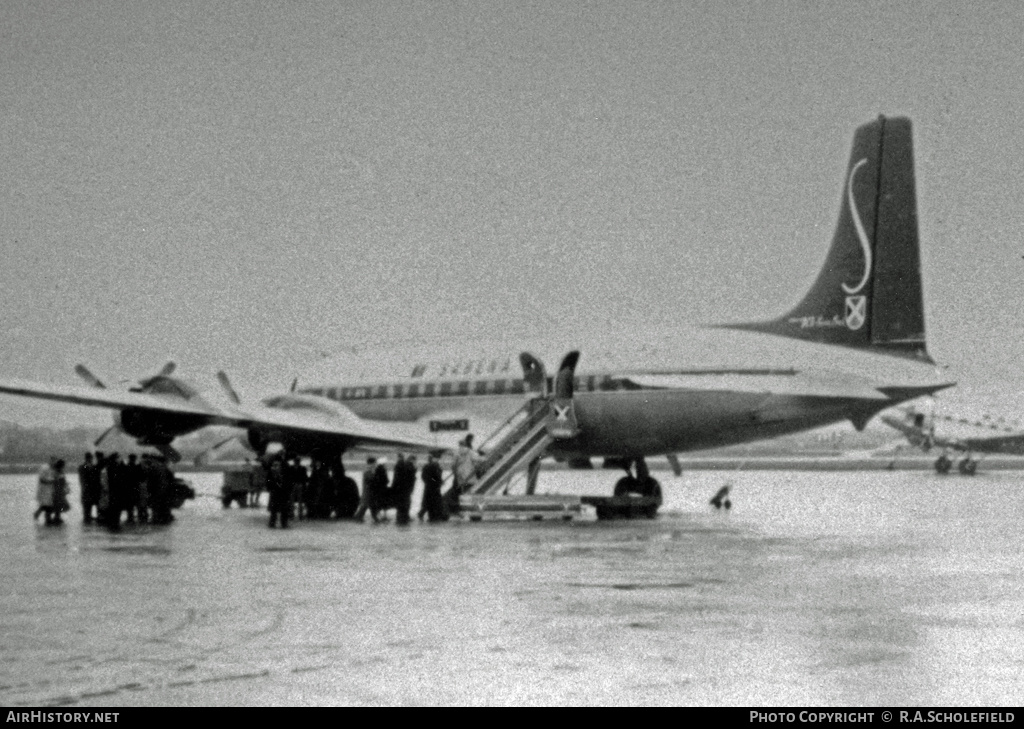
{"x": 150, "y": 427}
{"x": 257, "y": 442}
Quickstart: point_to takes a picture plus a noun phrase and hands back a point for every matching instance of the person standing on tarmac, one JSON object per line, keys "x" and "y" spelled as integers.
{"x": 132, "y": 478}
{"x": 103, "y": 506}
{"x": 380, "y": 494}
{"x": 432, "y": 503}
{"x": 320, "y": 494}
{"x": 346, "y": 492}
{"x": 365, "y": 502}
{"x": 115, "y": 491}
{"x": 161, "y": 490}
{"x": 140, "y": 480}
{"x": 46, "y": 493}
{"x": 298, "y": 484}
{"x": 89, "y": 488}
{"x": 279, "y": 485}
{"x": 463, "y": 473}
{"x": 257, "y": 482}
{"x": 60, "y": 492}
{"x": 402, "y": 486}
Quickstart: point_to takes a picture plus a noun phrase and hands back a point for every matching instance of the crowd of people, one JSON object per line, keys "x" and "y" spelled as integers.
{"x": 144, "y": 490}
{"x": 325, "y": 491}
{"x": 137, "y": 490}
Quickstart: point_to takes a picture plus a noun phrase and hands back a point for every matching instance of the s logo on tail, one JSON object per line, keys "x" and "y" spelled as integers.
{"x": 862, "y": 235}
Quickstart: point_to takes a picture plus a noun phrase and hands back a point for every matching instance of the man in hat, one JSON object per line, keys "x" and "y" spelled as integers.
{"x": 432, "y": 503}
{"x": 402, "y": 485}
{"x": 279, "y": 483}
{"x": 364, "y": 499}
{"x": 464, "y": 473}
{"x": 89, "y": 488}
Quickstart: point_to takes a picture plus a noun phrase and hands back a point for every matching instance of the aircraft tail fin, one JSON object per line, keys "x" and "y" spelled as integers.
{"x": 868, "y": 294}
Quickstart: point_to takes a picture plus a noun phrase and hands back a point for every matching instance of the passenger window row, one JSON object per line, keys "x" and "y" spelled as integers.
{"x": 450, "y": 389}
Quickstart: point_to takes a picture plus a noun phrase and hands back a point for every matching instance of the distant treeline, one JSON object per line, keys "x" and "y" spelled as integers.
{"x": 36, "y": 445}
{"x": 26, "y": 446}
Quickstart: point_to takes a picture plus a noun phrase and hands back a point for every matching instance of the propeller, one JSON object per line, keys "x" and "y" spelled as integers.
{"x": 82, "y": 371}
{"x": 104, "y": 434}
{"x": 225, "y": 384}
{"x": 210, "y": 453}
{"x": 86, "y": 374}
{"x": 166, "y": 371}
{"x": 232, "y": 395}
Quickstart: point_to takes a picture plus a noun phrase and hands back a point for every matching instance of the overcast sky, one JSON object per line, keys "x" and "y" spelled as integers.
{"x": 250, "y": 185}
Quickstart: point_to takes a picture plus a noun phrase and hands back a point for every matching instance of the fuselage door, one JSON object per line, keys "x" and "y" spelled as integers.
{"x": 534, "y": 375}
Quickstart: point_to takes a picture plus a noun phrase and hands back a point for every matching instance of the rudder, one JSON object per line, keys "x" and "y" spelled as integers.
{"x": 868, "y": 294}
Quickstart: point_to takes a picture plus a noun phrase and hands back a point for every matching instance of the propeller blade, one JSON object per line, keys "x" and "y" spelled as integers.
{"x": 206, "y": 456}
{"x": 104, "y": 434}
{"x": 169, "y": 453}
{"x": 225, "y": 384}
{"x": 146, "y": 383}
{"x": 295, "y": 383}
{"x": 82, "y": 371}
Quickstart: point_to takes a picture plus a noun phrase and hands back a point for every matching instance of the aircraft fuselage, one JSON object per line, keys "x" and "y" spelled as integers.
{"x": 636, "y": 410}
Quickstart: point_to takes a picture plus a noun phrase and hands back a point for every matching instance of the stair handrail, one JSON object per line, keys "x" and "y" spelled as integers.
{"x": 524, "y": 408}
{"x": 509, "y": 439}
{"x": 509, "y": 458}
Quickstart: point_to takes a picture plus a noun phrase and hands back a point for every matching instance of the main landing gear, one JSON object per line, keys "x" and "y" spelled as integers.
{"x": 967, "y": 466}
{"x": 635, "y": 495}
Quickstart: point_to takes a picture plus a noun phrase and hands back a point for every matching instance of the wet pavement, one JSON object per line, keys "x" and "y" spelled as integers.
{"x": 817, "y": 588}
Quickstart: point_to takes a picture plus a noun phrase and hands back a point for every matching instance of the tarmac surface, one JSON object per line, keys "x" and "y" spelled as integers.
{"x": 836, "y": 589}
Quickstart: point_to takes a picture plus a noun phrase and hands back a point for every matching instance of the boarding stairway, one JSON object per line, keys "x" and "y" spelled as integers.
{"x": 519, "y": 443}
{"x": 526, "y": 439}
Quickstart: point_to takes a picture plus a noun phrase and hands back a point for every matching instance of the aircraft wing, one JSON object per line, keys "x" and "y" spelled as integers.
{"x": 104, "y": 398}
{"x": 309, "y": 418}
{"x": 294, "y": 419}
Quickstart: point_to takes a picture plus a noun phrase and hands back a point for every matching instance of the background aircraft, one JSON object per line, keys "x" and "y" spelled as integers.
{"x": 928, "y": 430}
{"x": 852, "y": 347}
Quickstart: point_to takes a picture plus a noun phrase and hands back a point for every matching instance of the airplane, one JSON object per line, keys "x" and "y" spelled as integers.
{"x": 853, "y": 346}
{"x": 959, "y": 434}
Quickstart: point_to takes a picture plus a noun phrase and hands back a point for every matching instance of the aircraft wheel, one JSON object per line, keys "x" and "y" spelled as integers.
{"x": 626, "y": 485}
